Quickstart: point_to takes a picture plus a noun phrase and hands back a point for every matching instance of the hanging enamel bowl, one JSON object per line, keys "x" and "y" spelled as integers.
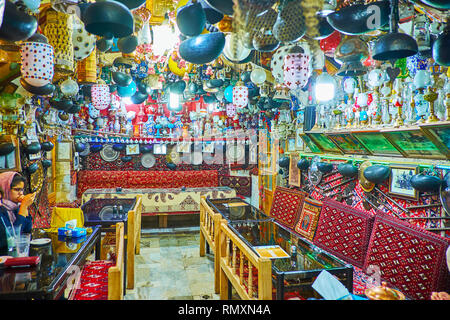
{"x": 148, "y": 160}
{"x": 108, "y": 154}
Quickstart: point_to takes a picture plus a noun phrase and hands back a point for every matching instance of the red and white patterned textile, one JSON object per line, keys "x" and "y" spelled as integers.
{"x": 410, "y": 259}
{"x": 287, "y": 205}
{"x": 344, "y": 231}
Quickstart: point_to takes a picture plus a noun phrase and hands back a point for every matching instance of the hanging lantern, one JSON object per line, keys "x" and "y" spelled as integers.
{"x": 296, "y": 69}
{"x": 36, "y": 63}
{"x": 240, "y": 95}
{"x": 69, "y": 87}
{"x": 87, "y": 69}
{"x": 100, "y": 95}
{"x": 58, "y": 30}
{"x": 258, "y": 76}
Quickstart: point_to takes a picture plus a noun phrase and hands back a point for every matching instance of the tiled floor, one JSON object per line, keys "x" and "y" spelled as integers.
{"x": 169, "y": 267}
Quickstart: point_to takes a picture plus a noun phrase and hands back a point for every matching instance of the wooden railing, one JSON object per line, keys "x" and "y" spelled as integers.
{"x": 133, "y": 239}
{"x": 249, "y": 274}
{"x": 115, "y": 273}
{"x": 209, "y": 232}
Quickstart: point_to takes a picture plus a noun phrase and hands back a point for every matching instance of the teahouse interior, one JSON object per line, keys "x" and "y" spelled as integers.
{"x": 225, "y": 149}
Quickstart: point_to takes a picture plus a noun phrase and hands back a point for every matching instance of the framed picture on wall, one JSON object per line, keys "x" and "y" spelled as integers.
{"x": 64, "y": 151}
{"x": 400, "y": 182}
{"x": 10, "y": 161}
{"x": 294, "y": 171}
{"x": 208, "y": 147}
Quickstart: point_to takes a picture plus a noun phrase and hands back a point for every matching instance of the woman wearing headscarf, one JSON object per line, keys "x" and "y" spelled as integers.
{"x": 14, "y": 204}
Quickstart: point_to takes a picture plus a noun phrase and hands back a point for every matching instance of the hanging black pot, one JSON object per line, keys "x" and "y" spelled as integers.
{"x": 203, "y": 48}
{"x": 348, "y": 170}
{"x": 96, "y": 148}
{"x": 212, "y": 15}
{"x": 377, "y": 173}
{"x": 76, "y": 107}
{"x": 209, "y": 98}
{"x": 440, "y": 51}
{"x": 177, "y": 87}
{"x": 79, "y": 147}
{"x": 145, "y": 148}
{"x": 38, "y": 37}
{"x": 82, "y": 7}
{"x": 325, "y": 29}
{"x": 144, "y": 88}
{"x": 46, "y": 163}
{"x": 283, "y": 162}
{"x": 62, "y": 104}
{"x": 132, "y": 4}
{"x": 32, "y": 168}
{"x": 357, "y": 19}
{"x": 121, "y": 79}
{"x": 6, "y": 148}
{"x": 214, "y": 83}
{"x": 193, "y": 87}
{"x": 139, "y": 97}
{"x": 126, "y": 158}
{"x": 245, "y": 76}
{"x": 223, "y": 6}
{"x": 325, "y": 167}
{"x": 119, "y": 147}
{"x": 33, "y": 148}
{"x": 245, "y": 60}
{"x": 425, "y": 183}
{"x": 16, "y": 25}
{"x": 394, "y": 45}
{"x": 191, "y": 19}
{"x": 108, "y": 19}
{"x": 41, "y": 91}
{"x": 112, "y": 88}
{"x": 47, "y": 146}
{"x": 103, "y": 44}
{"x": 127, "y": 44}
{"x": 438, "y": 4}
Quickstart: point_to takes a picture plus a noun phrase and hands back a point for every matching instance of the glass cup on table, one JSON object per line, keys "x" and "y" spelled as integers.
{"x": 23, "y": 245}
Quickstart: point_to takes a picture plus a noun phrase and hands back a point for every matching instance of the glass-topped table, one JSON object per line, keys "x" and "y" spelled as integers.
{"x": 61, "y": 259}
{"x": 236, "y": 209}
{"x": 292, "y": 273}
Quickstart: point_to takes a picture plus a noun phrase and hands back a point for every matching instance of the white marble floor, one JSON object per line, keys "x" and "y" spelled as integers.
{"x": 169, "y": 267}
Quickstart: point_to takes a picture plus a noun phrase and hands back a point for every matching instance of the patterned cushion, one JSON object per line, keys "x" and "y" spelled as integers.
{"x": 145, "y": 179}
{"x": 410, "y": 259}
{"x": 344, "y": 231}
{"x": 93, "y": 284}
{"x": 242, "y": 185}
{"x": 307, "y": 223}
{"x": 287, "y": 205}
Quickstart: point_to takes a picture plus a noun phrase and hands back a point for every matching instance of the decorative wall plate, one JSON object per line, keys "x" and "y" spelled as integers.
{"x": 148, "y": 160}
{"x": 109, "y": 154}
{"x": 86, "y": 150}
{"x": 106, "y": 213}
{"x": 197, "y": 158}
{"x": 235, "y": 153}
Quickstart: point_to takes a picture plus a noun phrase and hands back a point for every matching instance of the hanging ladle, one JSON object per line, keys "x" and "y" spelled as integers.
{"x": 394, "y": 45}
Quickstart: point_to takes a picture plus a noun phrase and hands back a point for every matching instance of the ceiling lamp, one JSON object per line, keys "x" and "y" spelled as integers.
{"x": 108, "y": 19}
{"x": 394, "y": 45}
